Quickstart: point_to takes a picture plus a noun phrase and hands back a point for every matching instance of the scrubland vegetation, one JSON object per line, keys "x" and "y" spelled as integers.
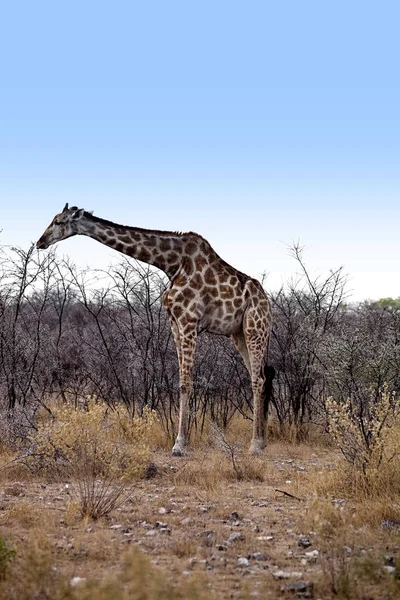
{"x": 94, "y": 506}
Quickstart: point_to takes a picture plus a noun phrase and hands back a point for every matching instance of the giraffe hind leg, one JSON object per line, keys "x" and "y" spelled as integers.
{"x": 256, "y": 335}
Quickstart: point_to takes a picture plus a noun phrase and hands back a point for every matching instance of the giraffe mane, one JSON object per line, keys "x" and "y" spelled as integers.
{"x": 91, "y": 217}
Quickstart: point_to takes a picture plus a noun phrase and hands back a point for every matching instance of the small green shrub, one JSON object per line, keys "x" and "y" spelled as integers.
{"x": 7, "y": 555}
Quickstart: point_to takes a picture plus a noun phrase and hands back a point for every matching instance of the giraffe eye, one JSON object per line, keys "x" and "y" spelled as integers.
{"x": 57, "y": 222}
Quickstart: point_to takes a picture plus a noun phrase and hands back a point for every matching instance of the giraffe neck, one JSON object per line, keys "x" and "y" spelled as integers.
{"x": 162, "y": 249}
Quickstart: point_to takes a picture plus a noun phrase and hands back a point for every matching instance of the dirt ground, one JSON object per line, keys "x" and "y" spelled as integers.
{"x": 239, "y": 539}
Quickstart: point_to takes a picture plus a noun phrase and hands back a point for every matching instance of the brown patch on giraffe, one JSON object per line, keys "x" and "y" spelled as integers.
{"x": 188, "y": 266}
{"x": 177, "y": 310}
{"x": 102, "y": 236}
{"x": 165, "y": 244}
{"x": 201, "y": 261}
{"x": 119, "y": 246}
{"x": 152, "y": 242}
{"x": 209, "y": 277}
{"x": 226, "y": 291}
{"x": 160, "y": 263}
{"x": 179, "y": 298}
{"x": 172, "y": 258}
{"x": 191, "y": 247}
{"x": 125, "y": 238}
{"x": 189, "y": 293}
{"x": 229, "y": 306}
{"x": 144, "y": 255}
{"x": 197, "y": 281}
{"x": 237, "y": 302}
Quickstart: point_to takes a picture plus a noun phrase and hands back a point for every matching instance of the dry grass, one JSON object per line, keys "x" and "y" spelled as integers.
{"x": 170, "y": 536}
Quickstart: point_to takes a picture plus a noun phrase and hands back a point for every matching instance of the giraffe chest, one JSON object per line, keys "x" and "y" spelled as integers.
{"x": 220, "y": 312}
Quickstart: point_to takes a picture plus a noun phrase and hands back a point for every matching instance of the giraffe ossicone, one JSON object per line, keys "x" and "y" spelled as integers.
{"x": 204, "y": 294}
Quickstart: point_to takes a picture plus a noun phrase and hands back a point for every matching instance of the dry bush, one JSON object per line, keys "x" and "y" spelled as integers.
{"x": 361, "y": 432}
{"x": 370, "y": 446}
{"x": 102, "y": 451}
{"x": 351, "y": 554}
{"x": 34, "y": 574}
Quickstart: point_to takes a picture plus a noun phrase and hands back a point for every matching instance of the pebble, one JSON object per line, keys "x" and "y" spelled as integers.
{"x": 236, "y": 536}
{"x": 243, "y": 561}
{"x": 76, "y": 581}
{"x": 389, "y": 569}
{"x": 258, "y": 556}
{"x": 304, "y": 542}
{"x": 303, "y": 589}
{"x": 287, "y": 574}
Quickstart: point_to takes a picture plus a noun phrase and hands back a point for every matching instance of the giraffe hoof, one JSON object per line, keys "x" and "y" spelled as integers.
{"x": 257, "y": 446}
{"x": 178, "y": 451}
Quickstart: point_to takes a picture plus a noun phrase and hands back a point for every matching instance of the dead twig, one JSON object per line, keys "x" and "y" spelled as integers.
{"x": 289, "y": 495}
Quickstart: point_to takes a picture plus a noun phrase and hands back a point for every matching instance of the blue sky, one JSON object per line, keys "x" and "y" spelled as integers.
{"x": 253, "y": 123}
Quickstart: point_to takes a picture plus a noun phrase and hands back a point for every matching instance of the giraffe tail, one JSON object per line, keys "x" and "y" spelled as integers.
{"x": 269, "y": 373}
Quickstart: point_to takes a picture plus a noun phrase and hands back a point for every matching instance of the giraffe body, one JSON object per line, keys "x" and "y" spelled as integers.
{"x": 204, "y": 294}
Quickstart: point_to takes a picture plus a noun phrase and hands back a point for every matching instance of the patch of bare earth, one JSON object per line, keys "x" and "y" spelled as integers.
{"x": 256, "y": 537}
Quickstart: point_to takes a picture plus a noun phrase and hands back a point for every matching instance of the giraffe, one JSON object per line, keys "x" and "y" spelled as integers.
{"x": 204, "y": 294}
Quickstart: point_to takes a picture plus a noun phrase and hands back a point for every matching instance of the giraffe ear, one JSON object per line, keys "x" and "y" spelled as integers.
{"x": 78, "y": 214}
{"x": 65, "y": 207}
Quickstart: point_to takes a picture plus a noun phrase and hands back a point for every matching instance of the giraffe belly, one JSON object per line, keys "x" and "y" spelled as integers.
{"x": 224, "y": 325}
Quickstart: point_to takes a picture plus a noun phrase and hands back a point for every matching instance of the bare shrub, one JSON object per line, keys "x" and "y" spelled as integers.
{"x": 361, "y": 432}
{"x": 102, "y": 451}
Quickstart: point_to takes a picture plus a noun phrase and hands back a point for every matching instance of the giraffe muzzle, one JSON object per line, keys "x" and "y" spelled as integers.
{"x": 41, "y": 245}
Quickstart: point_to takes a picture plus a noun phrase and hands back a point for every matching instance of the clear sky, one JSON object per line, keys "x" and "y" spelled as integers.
{"x": 253, "y": 123}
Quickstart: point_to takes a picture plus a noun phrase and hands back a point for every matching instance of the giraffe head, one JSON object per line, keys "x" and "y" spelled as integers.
{"x": 63, "y": 226}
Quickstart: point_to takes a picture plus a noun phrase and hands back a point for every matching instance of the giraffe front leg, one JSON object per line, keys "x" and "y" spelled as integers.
{"x": 258, "y": 442}
{"x": 188, "y": 346}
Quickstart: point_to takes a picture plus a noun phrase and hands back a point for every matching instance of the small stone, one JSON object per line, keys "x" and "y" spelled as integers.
{"x": 163, "y": 511}
{"x": 115, "y": 527}
{"x": 234, "y": 516}
{"x": 258, "y": 556}
{"x": 287, "y": 574}
{"x": 236, "y": 536}
{"x": 205, "y": 533}
{"x": 390, "y": 560}
{"x": 161, "y": 524}
{"x": 389, "y": 569}
{"x": 76, "y": 581}
{"x": 243, "y": 561}
{"x": 165, "y": 530}
{"x": 390, "y": 524}
{"x": 304, "y": 542}
{"x": 186, "y": 521}
{"x": 312, "y": 556}
{"x": 303, "y": 589}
